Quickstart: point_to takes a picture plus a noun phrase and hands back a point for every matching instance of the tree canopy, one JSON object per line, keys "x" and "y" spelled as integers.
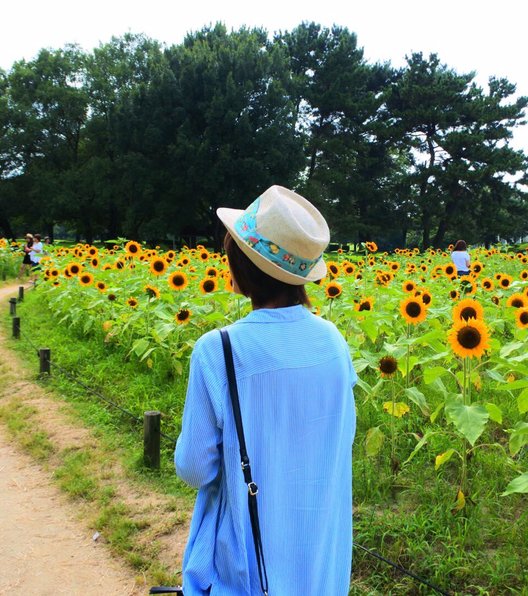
{"x": 143, "y": 141}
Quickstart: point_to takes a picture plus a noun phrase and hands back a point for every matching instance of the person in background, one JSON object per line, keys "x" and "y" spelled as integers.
{"x": 461, "y": 258}
{"x": 295, "y": 381}
{"x": 36, "y": 252}
{"x": 26, "y": 261}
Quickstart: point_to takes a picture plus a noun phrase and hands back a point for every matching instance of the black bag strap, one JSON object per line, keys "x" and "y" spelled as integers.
{"x": 244, "y": 460}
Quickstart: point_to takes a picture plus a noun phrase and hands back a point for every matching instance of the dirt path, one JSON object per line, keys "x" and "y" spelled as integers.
{"x": 45, "y": 547}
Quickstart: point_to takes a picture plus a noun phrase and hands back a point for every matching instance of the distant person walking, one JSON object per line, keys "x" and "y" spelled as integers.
{"x": 26, "y": 261}
{"x": 461, "y": 258}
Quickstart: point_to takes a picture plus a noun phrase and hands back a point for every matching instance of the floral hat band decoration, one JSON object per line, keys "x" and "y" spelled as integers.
{"x": 282, "y": 233}
{"x": 246, "y": 226}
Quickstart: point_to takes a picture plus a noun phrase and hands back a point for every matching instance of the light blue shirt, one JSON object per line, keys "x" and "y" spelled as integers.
{"x": 295, "y": 380}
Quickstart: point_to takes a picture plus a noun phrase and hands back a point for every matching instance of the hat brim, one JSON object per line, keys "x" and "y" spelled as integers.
{"x": 229, "y": 216}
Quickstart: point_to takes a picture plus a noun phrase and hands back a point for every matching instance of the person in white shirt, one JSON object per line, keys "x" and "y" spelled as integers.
{"x": 36, "y": 251}
{"x": 461, "y": 258}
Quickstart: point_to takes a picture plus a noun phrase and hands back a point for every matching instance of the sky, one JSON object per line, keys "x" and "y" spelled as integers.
{"x": 468, "y": 35}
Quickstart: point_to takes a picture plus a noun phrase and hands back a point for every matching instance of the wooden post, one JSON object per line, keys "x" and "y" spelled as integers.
{"x": 12, "y": 306}
{"x": 16, "y": 327}
{"x": 20, "y": 293}
{"x": 45, "y": 361}
{"x": 151, "y": 439}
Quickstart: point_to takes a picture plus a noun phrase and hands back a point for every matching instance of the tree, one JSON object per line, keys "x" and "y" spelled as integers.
{"x": 457, "y": 138}
{"x": 338, "y": 96}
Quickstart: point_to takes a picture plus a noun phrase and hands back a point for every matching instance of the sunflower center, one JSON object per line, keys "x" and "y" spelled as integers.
{"x": 469, "y": 337}
{"x": 388, "y": 365}
{"x": 333, "y": 291}
{"x": 158, "y": 265}
{"x": 524, "y": 318}
{"x": 364, "y": 306}
{"x": 183, "y": 315}
{"x": 178, "y": 280}
{"x": 468, "y": 313}
{"x": 517, "y": 303}
{"x": 413, "y": 309}
{"x": 208, "y": 286}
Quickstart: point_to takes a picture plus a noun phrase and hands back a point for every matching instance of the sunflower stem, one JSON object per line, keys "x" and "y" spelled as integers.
{"x": 408, "y": 356}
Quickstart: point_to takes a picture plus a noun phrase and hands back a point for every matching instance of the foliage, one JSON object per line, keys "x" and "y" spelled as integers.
{"x": 139, "y": 140}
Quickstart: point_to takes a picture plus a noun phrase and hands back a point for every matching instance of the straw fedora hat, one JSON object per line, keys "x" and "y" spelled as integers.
{"x": 282, "y": 233}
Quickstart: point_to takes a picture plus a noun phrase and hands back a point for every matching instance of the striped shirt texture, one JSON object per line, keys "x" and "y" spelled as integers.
{"x": 295, "y": 380}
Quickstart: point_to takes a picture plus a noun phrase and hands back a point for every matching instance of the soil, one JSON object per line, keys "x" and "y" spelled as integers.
{"x": 47, "y": 545}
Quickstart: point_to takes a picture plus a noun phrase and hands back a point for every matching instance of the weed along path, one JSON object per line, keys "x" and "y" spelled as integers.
{"x": 51, "y": 544}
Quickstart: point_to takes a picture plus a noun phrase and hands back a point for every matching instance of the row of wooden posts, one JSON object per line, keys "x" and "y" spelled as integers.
{"x": 151, "y": 419}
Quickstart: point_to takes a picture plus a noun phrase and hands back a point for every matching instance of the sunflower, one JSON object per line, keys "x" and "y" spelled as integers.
{"x": 365, "y": 304}
{"x": 413, "y": 310}
{"x": 178, "y": 280}
{"x": 183, "y": 316}
{"x": 208, "y": 285}
{"x": 467, "y": 285}
{"x": 120, "y": 264}
{"x": 333, "y": 268}
{"x": 505, "y": 281}
{"x": 92, "y": 251}
{"x": 101, "y": 286}
{"x": 133, "y": 248}
{"x": 454, "y": 294}
{"x": 394, "y": 266}
{"x": 468, "y": 309}
{"x": 75, "y": 268}
{"x": 86, "y": 279}
{"x": 524, "y": 275}
{"x": 211, "y": 272}
{"x": 348, "y": 268}
{"x": 132, "y": 302}
{"x": 170, "y": 255}
{"x": 112, "y": 297}
{"x": 487, "y": 284}
{"x": 469, "y": 338}
{"x": 94, "y": 262}
{"x": 517, "y": 301}
{"x": 158, "y": 266}
{"x": 333, "y": 289}
{"x": 450, "y": 270}
{"x": 388, "y": 365}
{"x": 409, "y": 286}
{"x": 425, "y": 295}
{"x": 521, "y": 318}
{"x": 151, "y": 291}
{"x": 228, "y": 283}
{"x": 371, "y": 246}
{"x": 203, "y": 255}
{"x": 54, "y": 273}
{"x": 477, "y": 267}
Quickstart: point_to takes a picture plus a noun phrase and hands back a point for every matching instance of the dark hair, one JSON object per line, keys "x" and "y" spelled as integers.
{"x": 257, "y": 285}
{"x": 460, "y": 245}
{"x": 37, "y": 236}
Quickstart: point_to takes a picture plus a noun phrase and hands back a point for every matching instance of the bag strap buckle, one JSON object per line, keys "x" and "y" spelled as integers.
{"x": 252, "y": 489}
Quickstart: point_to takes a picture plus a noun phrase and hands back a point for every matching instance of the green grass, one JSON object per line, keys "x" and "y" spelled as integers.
{"x": 404, "y": 512}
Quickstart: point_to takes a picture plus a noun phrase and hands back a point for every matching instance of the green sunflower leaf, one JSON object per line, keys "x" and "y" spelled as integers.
{"x": 418, "y": 398}
{"x": 468, "y": 420}
{"x": 522, "y": 401}
{"x": 517, "y": 485}
{"x": 495, "y": 413}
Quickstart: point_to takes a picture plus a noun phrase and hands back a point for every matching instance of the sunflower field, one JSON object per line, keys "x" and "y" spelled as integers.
{"x": 10, "y": 258}
{"x": 442, "y": 396}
